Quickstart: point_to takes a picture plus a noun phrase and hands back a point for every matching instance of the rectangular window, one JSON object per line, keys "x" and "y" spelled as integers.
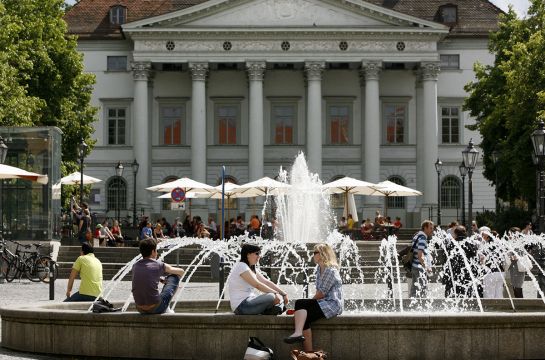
{"x": 450, "y": 125}
{"x": 227, "y": 119}
{"x": 117, "y": 125}
{"x": 117, "y": 63}
{"x": 394, "y": 123}
{"x": 172, "y": 120}
{"x": 338, "y": 123}
{"x": 283, "y": 119}
{"x": 450, "y": 62}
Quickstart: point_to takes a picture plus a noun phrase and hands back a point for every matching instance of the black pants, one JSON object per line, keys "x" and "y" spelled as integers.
{"x": 314, "y": 312}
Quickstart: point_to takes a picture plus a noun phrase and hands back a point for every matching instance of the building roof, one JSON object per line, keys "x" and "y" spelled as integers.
{"x": 89, "y": 19}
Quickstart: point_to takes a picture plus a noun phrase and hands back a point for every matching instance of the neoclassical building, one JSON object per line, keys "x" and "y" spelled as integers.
{"x": 368, "y": 89}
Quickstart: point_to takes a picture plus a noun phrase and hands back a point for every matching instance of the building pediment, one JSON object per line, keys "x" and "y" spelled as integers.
{"x": 283, "y": 14}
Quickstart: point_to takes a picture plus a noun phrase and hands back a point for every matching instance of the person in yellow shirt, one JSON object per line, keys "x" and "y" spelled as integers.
{"x": 350, "y": 222}
{"x": 89, "y": 269}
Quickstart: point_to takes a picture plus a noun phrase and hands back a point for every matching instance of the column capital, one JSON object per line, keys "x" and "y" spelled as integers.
{"x": 430, "y": 70}
{"x": 314, "y": 70}
{"x": 256, "y": 70}
{"x": 198, "y": 71}
{"x": 370, "y": 70}
{"x": 141, "y": 70}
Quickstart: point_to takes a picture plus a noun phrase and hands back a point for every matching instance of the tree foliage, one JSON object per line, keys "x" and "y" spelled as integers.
{"x": 41, "y": 74}
{"x": 508, "y": 98}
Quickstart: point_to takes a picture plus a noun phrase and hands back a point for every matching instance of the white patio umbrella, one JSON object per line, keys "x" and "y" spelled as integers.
{"x": 349, "y": 187}
{"x": 187, "y": 184}
{"x": 12, "y": 172}
{"x": 75, "y": 179}
{"x": 261, "y": 187}
{"x": 388, "y": 188}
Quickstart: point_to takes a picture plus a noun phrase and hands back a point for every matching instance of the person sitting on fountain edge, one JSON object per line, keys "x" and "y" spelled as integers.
{"x": 245, "y": 278}
{"x": 327, "y": 302}
{"x": 89, "y": 269}
{"x": 146, "y": 275}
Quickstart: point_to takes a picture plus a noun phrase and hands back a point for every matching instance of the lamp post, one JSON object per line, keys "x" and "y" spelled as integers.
{"x": 470, "y": 155}
{"x": 438, "y": 168}
{"x": 134, "y": 167}
{"x": 538, "y": 140}
{"x": 82, "y": 152}
{"x": 463, "y": 172}
{"x": 495, "y": 160}
{"x": 119, "y": 173}
{"x": 3, "y": 153}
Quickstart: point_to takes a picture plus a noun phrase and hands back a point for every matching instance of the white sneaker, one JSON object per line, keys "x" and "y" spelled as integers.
{"x": 169, "y": 311}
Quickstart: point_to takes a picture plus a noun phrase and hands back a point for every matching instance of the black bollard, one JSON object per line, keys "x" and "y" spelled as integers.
{"x": 52, "y": 280}
{"x": 221, "y": 277}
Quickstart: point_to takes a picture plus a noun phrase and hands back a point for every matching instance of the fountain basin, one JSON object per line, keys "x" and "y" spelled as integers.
{"x": 199, "y": 333}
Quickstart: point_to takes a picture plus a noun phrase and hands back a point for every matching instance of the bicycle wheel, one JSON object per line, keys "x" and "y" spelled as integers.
{"x": 42, "y": 267}
{"x": 32, "y": 269}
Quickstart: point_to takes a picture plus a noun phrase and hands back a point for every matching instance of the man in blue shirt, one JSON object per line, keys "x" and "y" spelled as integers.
{"x": 421, "y": 265}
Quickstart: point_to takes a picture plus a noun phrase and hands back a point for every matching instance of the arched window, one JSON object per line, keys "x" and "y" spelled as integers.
{"x": 396, "y": 202}
{"x": 230, "y": 203}
{"x": 337, "y": 201}
{"x": 451, "y": 188}
{"x": 116, "y": 186}
{"x": 118, "y": 15}
{"x": 165, "y": 203}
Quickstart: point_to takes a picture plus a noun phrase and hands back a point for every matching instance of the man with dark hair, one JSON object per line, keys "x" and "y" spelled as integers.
{"x": 146, "y": 275}
{"x": 89, "y": 269}
{"x": 421, "y": 265}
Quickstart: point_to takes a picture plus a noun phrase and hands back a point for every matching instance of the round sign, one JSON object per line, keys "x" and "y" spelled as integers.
{"x": 177, "y": 194}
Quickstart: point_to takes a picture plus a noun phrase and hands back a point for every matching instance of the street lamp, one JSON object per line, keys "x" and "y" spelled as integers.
{"x": 438, "y": 168}
{"x": 538, "y": 140}
{"x": 470, "y": 155}
{"x": 463, "y": 172}
{"x": 3, "y": 154}
{"x": 134, "y": 167}
{"x": 82, "y": 152}
{"x": 496, "y": 161}
{"x": 119, "y": 173}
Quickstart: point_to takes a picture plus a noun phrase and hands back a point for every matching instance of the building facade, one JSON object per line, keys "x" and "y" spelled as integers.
{"x": 367, "y": 89}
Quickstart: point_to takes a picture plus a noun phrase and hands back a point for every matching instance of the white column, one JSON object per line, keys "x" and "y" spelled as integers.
{"x": 141, "y": 139}
{"x": 256, "y": 72}
{"x": 314, "y": 115}
{"x": 430, "y": 134}
{"x": 371, "y": 133}
{"x": 198, "y": 121}
{"x": 420, "y": 139}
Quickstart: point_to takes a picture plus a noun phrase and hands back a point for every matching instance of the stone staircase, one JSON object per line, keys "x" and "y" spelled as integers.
{"x": 114, "y": 259}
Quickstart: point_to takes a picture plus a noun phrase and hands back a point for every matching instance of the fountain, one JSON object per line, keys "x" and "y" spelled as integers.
{"x": 379, "y": 321}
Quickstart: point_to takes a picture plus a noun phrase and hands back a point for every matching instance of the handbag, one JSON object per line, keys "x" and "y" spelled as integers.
{"x": 311, "y": 355}
{"x": 256, "y": 350}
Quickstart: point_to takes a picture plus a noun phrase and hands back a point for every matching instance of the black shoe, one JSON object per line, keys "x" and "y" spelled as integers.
{"x": 294, "y": 339}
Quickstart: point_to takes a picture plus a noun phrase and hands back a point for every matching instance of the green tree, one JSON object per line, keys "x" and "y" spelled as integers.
{"x": 42, "y": 82}
{"x": 508, "y": 98}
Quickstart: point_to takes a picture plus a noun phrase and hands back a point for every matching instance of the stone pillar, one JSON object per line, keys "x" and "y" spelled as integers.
{"x": 256, "y": 72}
{"x": 370, "y": 74}
{"x": 198, "y": 121}
{"x": 314, "y": 115}
{"x": 430, "y": 135}
{"x": 420, "y": 140}
{"x": 142, "y": 140}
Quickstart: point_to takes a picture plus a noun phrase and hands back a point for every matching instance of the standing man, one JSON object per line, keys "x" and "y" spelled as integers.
{"x": 146, "y": 275}
{"x": 421, "y": 265}
{"x": 89, "y": 269}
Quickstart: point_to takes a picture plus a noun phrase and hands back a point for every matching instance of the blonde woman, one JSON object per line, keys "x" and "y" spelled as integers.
{"x": 326, "y": 303}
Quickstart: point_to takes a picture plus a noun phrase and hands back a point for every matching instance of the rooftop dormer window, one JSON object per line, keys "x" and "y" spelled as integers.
{"x": 448, "y": 14}
{"x": 118, "y": 15}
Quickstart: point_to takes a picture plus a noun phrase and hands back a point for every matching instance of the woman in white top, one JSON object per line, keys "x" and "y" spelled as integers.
{"x": 243, "y": 282}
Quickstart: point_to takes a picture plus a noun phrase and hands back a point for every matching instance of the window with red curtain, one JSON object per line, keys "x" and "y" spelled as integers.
{"x": 394, "y": 117}
{"x": 339, "y": 124}
{"x": 172, "y": 119}
{"x": 227, "y": 124}
{"x": 283, "y": 120}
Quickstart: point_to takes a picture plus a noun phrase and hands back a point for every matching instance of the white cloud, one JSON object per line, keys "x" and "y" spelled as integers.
{"x": 520, "y": 6}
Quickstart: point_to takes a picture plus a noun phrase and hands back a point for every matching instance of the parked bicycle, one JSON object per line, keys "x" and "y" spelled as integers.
{"x": 26, "y": 262}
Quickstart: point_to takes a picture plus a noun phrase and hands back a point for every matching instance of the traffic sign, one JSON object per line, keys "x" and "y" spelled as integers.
{"x": 177, "y": 205}
{"x": 177, "y": 194}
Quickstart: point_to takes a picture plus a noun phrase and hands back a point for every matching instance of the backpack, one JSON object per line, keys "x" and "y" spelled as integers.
{"x": 101, "y": 306}
{"x": 405, "y": 257}
{"x": 256, "y": 350}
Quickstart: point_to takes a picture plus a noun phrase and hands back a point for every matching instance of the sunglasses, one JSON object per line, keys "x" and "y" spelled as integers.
{"x": 258, "y": 253}
{"x": 316, "y": 252}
